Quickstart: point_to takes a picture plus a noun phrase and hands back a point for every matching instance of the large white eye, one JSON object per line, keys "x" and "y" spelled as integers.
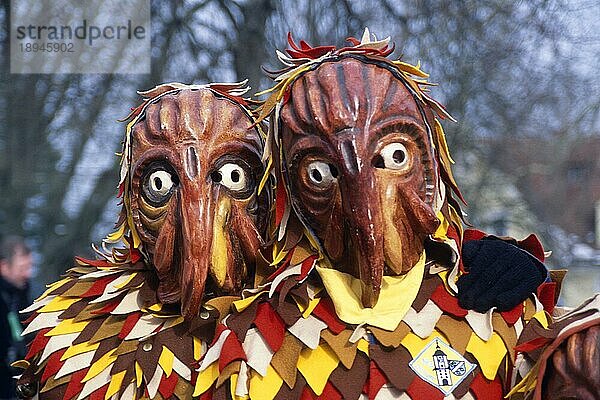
{"x": 232, "y": 176}
{"x": 393, "y": 156}
{"x": 158, "y": 186}
{"x": 321, "y": 174}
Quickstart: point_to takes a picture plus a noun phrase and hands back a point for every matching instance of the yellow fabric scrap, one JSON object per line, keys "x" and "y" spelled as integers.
{"x": 415, "y": 344}
{"x": 79, "y": 349}
{"x": 166, "y": 361}
{"x": 52, "y": 287}
{"x": 308, "y": 309}
{"x": 527, "y": 384}
{"x": 265, "y": 387}
{"x": 138, "y": 374}
{"x": 316, "y": 366}
{"x": 115, "y": 384}
{"x": 442, "y": 229}
{"x": 241, "y": 305}
{"x": 542, "y": 318}
{"x": 59, "y": 303}
{"x": 103, "y": 362}
{"x": 67, "y": 326}
{"x": 363, "y": 346}
{"x": 489, "y": 354}
{"x": 396, "y": 296}
{"x": 206, "y": 378}
{"x": 197, "y": 348}
{"x": 126, "y": 281}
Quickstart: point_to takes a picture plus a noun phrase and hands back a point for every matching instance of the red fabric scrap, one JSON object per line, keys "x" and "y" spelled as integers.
{"x": 107, "y": 309}
{"x": 473, "y": 234}
{"x": 270, "y": 325}
{"x": 232, "y": 350}
{"x": 376, "y": 380}
{"x": 130, "y": 322}
{"x": 74, "y": 387}
{"x": 326, "y": 313}
{"x": 283, "y": 266}
{"x": 280, "y": 203}
{"x": 306, "y": 267}
{"x": 218, "y": 330}
{"x": 206, "y": 395}
{"x": 419, "y": 389}
{"x": 305, "y": 50}
{"x": 308, "y": 394}
{"x": 93, "y": 263}
{"x": 53, "y": 366}
{"x": 512, "y": 316}
{"x": 98, "y": 287}
{"x": 38, "y": 343}
{"x": 546, "y": 294}
{"x": 99, "y": 393}
{"x": 533, "y": 344}
{"x": 533, "y": 245}
{"x": 330, "y": 393}
{"x": 447, "y": 303}
{"x": 483, "y": 389}
{"x": 167, "y": 385}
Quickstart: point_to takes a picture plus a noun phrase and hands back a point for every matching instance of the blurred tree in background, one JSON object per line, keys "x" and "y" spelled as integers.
{"x": 508, "y": 70}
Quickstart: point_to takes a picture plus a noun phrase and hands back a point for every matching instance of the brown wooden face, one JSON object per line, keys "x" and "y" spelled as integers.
{"x": 361, "y": 169}
{"x": 195, "y": 168}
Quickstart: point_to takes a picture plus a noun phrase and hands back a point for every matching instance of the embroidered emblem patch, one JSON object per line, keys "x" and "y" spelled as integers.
{"x": 441, "y": 366}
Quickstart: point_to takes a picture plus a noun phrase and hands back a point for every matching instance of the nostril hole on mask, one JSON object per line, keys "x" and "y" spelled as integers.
{"x": 378, "y": 162}
{"x": 235, "y": 176}
{"x": 216, "y": 176}
{"x": 334, "y": 171}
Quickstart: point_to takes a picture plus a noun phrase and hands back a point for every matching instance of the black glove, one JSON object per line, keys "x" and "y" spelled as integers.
{"x": 500, "y": 275}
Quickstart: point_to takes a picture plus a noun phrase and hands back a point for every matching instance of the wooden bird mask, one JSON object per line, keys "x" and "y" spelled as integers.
{"x": 360, "y": 155}
{"x": 193, "y": 160}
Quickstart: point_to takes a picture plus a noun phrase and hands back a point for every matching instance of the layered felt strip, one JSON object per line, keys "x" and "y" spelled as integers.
{"x": 101, "y": 333}
{"x": 288, "y": 343}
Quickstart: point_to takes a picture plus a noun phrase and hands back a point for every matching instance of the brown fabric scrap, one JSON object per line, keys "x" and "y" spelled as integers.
{"x": 508, "y": 334}
{"x": 341, "y": 346}
{"x": 391, "y": 339}
{"x": 458, "y": 332}
{"x": 350, "y": 382}
{"x": 286, "y": 359}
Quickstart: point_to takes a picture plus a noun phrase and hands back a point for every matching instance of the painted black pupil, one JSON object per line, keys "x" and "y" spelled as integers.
{"x": 216, "y": 176}
{"x": 399, "y": 156}
{"x": 235, "y": 176}
{"x": 316, "y": 175}
{"x": 158, "y": 183}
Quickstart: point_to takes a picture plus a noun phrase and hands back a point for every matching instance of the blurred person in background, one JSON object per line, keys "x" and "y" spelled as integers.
{"x": 15, "y": 270}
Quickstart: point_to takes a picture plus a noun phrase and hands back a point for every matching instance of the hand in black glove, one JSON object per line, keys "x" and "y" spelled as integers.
{"x": 500, "y": 275}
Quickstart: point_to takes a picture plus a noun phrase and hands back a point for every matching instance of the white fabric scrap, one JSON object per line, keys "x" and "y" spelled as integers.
{"x": 481, "y": 323}
{"x": 103, "y": 378}
{"x": 43, "y": 320}
{"x": 241, "y": 387}
{"x": 308, "y": 331}
{"x": 214, "y": 352}
{"x": 76, "y": 363}
{"x": 258, "y": 351}
{"x": 56, "y": 343}
{"x": 129, "y": 304}
{"x": 423, "y": 322}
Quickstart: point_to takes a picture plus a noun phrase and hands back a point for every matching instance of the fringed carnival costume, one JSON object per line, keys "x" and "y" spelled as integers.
{"x": 366, "y": 243}
{"x": 136, "y": 323}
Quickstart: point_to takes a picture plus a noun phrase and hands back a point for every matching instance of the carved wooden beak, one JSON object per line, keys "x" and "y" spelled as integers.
{"x": 363, "y": 224}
